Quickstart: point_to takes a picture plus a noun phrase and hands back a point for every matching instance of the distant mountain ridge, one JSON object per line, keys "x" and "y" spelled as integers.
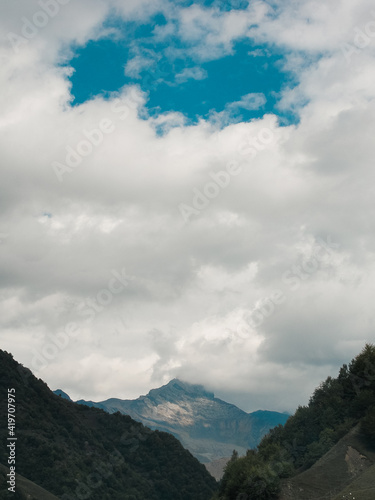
{"x": 207, "y": 426}
{"x": 63, "y": 394}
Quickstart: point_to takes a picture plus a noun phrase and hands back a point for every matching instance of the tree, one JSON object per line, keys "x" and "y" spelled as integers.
{"x": 234, "y": 456}
{"x": 362, "y": 369}
{"x": 368, "y": 425}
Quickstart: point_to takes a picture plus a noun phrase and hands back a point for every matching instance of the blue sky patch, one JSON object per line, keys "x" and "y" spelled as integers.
{"x": 243, "y": 84}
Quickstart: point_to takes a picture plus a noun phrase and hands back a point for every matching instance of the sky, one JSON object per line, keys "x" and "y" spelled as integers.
{"x": 187, "y": 190}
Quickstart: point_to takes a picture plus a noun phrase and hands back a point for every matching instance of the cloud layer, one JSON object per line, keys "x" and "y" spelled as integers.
{"x": 262, "y": 284}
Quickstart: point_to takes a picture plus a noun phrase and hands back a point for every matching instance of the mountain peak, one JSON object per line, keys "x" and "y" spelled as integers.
{"x": 62, "y": 394}
{"x": 175, "y": 388}
{"x": 207, "y": 426}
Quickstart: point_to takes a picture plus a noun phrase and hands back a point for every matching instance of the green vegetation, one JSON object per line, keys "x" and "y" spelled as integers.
{"x": 336, "y": 406}
{"x": 26, "y": 490}
{"x": 74, "y": 451}
{"x": 362, "y": 489}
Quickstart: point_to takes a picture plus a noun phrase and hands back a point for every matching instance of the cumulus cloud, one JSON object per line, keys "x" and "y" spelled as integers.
{"x": 212, "y": 32}
{"x": 241, "y": 296}
{"x": 136, "y": 65}
{"x": 195, "y": 73}
{"x": 252, "y": 101}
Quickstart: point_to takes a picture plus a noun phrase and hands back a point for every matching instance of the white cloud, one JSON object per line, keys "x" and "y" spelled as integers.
{"x": 195, "y": 73}
{"x": 191, "y": 285}
{"x": 212, "y": 32}
{"x": 312, "y": 26}
{"x": 138, "y": 9}
{"x": 136, "y": 65}
{"x": 259, "y": 53}
{"x": 252, "y": 101}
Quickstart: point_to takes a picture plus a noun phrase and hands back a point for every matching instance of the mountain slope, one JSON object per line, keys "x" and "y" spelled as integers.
{"x": 207, "y": 426}
{"x": 75, "y": 451}
{"x": 361, "y": 488}
{"x": 26, "y": 490}
{"x": 61, "y": 393}
{"x": 325, "y": 451}
{"x": 343, "y": 465}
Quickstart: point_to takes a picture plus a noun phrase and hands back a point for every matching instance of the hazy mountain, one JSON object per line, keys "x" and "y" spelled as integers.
{"x": 77, "y": 452}
{"x": 63, "y": 394}
{"x": 216, "y": 467}
{"x": 207, "y": 426}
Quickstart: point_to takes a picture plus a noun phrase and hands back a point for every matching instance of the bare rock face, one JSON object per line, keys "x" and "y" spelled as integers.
{"x": 207, "y": 426}
{"x": 355, "y": 461}
{"x": 216, "y": 468}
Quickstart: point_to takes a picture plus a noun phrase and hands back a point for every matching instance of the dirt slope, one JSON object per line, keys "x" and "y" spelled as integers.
{"x": 349, "y": 463}
{"x": 26, "y": 489}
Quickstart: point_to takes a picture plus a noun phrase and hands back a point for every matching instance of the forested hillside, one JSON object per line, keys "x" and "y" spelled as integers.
{"x": 76, "y": 452}
{"x": 336, "y": 407}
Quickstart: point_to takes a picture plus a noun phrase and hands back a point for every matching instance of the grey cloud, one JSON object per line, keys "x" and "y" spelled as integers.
{"x": 190, "y": 284}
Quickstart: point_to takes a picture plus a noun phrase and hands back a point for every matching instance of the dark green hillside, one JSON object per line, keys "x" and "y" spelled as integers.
{"x": 74, "y": 451}
{"x": 337, "y": 406}
{"x": 26, "y": 490}
{"x": 346, "y": 464}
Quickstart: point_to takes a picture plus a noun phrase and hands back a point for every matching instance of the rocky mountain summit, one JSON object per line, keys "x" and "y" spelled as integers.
{"x": 207, "y": 426}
